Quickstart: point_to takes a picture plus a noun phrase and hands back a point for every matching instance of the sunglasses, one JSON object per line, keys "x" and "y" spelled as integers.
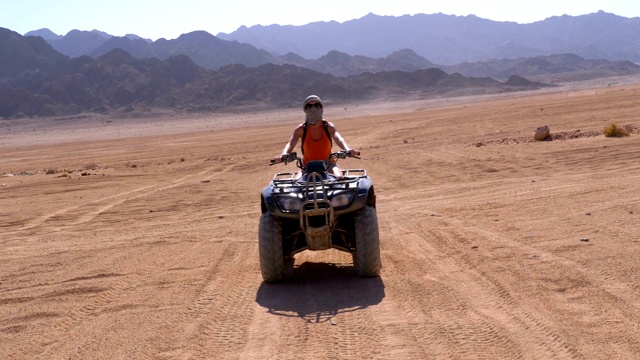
{"x": 316, "y": 105}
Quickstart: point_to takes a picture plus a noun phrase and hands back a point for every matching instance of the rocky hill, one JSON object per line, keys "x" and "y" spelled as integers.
{"x": 43, "y": 82}
{"x": 45, "y": 34}
{"x": 341, "y": 64}
{"x": 18, "y": 54}
{"x": 449, "y": 39}
{"x": 203, "y": 48}
{"x": 552, "y": 68}
{"x": 211, "y": 52}
{"x": 77, "y": 43}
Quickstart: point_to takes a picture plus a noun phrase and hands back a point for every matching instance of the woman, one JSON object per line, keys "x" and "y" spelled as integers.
{"x": 317, "y": 136}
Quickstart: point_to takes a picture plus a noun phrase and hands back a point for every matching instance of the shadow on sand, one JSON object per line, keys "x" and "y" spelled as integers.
{"x": 317, "y": 292}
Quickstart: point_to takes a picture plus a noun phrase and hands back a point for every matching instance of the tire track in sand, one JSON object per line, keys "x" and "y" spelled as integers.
{"x": 529, "y": 314}
{"x": 224, "y": 330}
{"x": 99, "y": 206}
{"x": 116, "y": 290}
{"x": 324, "y": 311}
{"x": 481, "y": 315}
{"x": 98, "y": 304}
{"x": 215, "y": 323}
{"x": 458, "y": 310}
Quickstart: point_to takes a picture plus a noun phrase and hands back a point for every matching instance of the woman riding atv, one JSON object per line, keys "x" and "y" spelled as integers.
{"x": 317, "y": 136}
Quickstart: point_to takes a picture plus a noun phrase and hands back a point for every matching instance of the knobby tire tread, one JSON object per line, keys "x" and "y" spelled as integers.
{"x": 367, "y": 257}
{"x": 272, "y": 264}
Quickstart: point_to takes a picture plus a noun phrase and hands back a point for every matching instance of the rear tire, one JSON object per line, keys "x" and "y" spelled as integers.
{"x": 367, "y": 257}
{"x": 272, "y": 262}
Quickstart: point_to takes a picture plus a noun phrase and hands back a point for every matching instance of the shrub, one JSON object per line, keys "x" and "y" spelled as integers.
{"x": 615, "y": 130}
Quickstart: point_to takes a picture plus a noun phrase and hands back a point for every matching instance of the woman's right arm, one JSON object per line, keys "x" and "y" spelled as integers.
{"x": 291, "y": 144}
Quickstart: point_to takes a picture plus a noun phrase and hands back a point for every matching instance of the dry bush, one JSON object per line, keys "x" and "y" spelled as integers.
{"x": 615, "y": 130}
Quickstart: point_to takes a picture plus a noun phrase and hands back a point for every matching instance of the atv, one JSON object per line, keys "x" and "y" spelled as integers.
{"x": 315, "y": 210}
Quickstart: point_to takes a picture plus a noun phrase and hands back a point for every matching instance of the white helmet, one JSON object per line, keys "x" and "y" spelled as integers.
{"x": 311, "y": 98}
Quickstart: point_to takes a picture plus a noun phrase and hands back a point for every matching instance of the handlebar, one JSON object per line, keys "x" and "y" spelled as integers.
{"x": 287, "y": 158}
{"x": 342, "y": 154}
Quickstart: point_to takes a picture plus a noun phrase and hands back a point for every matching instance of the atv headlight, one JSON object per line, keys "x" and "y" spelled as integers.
{"x": 342, "y": 199}
{"x": 288, "y": 203}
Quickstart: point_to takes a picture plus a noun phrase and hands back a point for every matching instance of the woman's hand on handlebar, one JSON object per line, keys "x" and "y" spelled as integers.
{"x": 354, "y": 153}
{"x": 284, "y": 158}
{"x": 279, "y": 159}
{"x": 343, "y": 154}
{"x": 350, "y": 153}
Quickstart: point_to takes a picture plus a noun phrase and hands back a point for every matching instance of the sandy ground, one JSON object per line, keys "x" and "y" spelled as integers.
{"x": 137, "y": 239}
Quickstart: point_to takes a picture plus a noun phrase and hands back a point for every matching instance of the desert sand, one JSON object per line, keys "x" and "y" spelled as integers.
{"x": 137, "y": 238}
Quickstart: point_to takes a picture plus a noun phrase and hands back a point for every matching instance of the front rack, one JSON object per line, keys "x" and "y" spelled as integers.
{"x": 318, "y": 237}
{"x": 291, "y": 179}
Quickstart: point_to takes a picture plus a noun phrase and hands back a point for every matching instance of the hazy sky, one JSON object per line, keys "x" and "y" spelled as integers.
{"x": 155, "y": 19}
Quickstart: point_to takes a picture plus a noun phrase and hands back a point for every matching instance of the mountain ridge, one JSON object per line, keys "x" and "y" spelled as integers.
{"x": 451, "y": 39}
{"x": 210, "y": 52}
{"x": 118, "y": 82}
{"x": 92, "y": 71}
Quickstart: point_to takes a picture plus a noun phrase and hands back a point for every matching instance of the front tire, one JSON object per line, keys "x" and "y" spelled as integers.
{"x": 367, "y": 257}
{"x": 272, "y": 262}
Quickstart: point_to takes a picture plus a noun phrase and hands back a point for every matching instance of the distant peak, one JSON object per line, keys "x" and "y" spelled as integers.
{"x": 369, "y": 16}
{"x": 197, "y": 34}
{"x": 101, "y": 33}
{"x": 116, "y": 56}
{"x": 44, "y": 33}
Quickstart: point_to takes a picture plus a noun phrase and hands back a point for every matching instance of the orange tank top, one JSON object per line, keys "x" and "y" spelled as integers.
{"x": 316, "y": 150}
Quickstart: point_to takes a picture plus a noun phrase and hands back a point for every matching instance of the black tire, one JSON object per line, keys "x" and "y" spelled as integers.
{"x": 367, "y": 257}
{"x": 272, "y": 262}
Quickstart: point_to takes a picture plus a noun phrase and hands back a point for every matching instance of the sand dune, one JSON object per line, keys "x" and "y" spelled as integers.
{"x": 137, "y": 239}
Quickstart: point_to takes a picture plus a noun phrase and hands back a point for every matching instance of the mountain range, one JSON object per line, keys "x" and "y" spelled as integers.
{"x": 450, "y": 39}
{"x": 39, "y": 81}
{"x": 482, "y": 48}
{"x": 44, "y": 74}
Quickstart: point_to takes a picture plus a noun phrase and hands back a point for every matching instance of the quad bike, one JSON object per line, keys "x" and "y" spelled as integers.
{"x": 318, "y": 211}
